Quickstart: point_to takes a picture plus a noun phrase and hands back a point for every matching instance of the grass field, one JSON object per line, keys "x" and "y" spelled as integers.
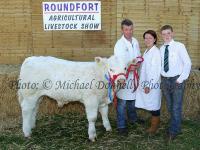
{"x": 69, "y": 131}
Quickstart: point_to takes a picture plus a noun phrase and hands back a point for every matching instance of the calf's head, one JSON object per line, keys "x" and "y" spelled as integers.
{"x": 114, "y": 68}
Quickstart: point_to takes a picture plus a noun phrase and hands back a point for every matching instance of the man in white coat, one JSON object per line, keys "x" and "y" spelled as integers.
{"x": 126, "y": 48}
{"x": 148, "y": 94}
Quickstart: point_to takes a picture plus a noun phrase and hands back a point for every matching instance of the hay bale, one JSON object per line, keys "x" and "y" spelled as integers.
{"x": 191, "y": 104}
{"x": 10, "y": 114}
{"x": 8, "y": 99}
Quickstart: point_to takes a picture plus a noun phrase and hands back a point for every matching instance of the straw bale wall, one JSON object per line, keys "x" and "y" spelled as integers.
{"x": 183, "y": 15}
{"x": 22, "y": 34}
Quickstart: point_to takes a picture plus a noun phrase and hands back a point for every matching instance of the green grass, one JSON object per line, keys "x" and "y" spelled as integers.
{"x": 69, "y": 131}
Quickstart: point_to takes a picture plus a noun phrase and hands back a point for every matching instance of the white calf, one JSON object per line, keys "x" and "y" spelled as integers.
{"x": 67, "y": 81}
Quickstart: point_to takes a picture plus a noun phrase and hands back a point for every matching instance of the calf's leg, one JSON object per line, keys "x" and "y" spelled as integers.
{"x": 91, "y": 107}
{"x": 28, "y": 107}
{"x": 103, "y": 109}
{"x": 34, "y": 114}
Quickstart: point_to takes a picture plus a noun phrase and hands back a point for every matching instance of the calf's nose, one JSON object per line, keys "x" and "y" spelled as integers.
{"x": 121, "y": 81}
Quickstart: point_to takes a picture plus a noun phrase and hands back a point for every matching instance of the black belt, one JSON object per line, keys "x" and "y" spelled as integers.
{"x": 170, "y": 77}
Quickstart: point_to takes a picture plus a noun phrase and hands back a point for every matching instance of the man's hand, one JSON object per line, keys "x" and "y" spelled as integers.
{"x": 134, "y": 67}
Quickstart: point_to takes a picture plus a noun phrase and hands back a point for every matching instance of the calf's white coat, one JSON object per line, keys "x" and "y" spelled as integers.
{"x": 49, "y": 75}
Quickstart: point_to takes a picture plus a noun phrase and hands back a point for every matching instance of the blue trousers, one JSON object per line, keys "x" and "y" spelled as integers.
{"x": 174, "y": 97}
{"x": 125, "y": 110}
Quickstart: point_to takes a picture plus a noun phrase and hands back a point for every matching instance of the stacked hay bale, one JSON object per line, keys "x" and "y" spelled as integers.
{"x": 9, "y": 106}
{"x": 191, "y": 104}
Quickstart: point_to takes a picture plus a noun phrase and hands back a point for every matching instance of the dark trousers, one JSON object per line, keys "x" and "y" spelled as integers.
{"x": 125, "y": 109}
{"x": 173, "y": 93}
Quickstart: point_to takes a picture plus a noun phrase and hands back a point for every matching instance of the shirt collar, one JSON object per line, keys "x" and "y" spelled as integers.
{"x": 170, "y": 43}
{"x": 127, "y": 40}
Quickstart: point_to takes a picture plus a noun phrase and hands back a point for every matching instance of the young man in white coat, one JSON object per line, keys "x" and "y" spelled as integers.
{"x": 148, "y": 94}
{"x": 127, "y": 49}
{"x": 176, "y": 66}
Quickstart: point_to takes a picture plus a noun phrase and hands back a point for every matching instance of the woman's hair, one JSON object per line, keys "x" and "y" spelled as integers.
{"x": 153, "y": 33}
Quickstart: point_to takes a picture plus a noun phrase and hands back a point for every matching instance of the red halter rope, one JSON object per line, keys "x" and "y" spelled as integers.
{"x": 139, "y": 60}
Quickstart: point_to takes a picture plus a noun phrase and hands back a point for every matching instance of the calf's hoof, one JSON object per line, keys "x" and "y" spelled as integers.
{"x": 109, "y": 129}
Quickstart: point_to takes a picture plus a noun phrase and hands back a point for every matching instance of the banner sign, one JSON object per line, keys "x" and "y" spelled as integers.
{"x": 76, "y": 15}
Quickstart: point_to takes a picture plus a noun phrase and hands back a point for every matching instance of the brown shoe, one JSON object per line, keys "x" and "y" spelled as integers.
{"x": 155, "y": 121}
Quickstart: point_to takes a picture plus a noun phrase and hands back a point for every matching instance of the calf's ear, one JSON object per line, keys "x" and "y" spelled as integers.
{"x": 101, "y": 61}
{"x": 98, "y": 59}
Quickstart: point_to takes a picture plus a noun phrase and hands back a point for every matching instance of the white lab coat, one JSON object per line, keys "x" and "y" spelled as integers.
{"x": 127, "y": 51}
{"x": 150, "y": 76}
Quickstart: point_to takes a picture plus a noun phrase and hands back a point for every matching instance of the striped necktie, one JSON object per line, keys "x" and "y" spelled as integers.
{"x": 166, "y": 63}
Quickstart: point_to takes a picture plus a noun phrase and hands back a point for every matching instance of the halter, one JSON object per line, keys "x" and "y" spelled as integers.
{"x": 111, "y": 81}
{"x": 111, "y": 86}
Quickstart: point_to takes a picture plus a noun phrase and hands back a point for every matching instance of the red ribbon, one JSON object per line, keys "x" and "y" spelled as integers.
{"x": 135, "y": 72}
